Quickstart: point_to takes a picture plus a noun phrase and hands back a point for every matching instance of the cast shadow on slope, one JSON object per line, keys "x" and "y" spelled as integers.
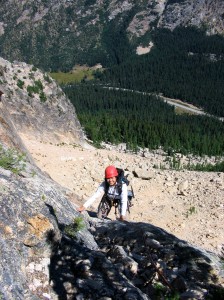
{"x": 130, "y": 261}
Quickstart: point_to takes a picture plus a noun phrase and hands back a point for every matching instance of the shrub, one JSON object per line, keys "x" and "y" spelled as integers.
{"x": 192, "y": 210}
{"x": 72, "y": 229}
{"x": 207, "y": 167}
{"x": 38, "y": 84}
{"x": 32, "y": 89}
{"x": 47, "y": 78}
{"x": 20, "y": 83}
{"x": 37, "y": 88}
{"x": 43, "y": 97}
{"x": 11, "y": 160}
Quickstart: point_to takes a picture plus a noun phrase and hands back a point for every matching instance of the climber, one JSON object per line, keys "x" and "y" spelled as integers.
{"x": 113, "y": 188}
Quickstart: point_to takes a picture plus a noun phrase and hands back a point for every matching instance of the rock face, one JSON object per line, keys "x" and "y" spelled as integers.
{"x": 59, "y": 28}
{"x": 33, "y": 104}
{"x": 42, "y": 259}
{"x": 32, "y": 207}
{"x": 195, "y": 13}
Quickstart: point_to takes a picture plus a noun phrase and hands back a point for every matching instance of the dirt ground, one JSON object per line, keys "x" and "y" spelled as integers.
{"x": 196, "y": 215}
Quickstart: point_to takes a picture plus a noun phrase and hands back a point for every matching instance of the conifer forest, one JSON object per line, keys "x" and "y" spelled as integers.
{"x": 123, "y": 104}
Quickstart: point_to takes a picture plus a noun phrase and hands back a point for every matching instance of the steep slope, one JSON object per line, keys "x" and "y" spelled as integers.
{"x": 45, "y": 256}
{"x": 36, "y": 106}
{"x": 8, "y": 133}
{"x": 199, "y": 13}
{"x": 59, "y": 34}
{"x": 46, "y": 253}
{"x": 186, "y": 203}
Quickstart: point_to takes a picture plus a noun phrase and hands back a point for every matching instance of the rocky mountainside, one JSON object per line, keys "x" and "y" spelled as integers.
{"x": 50, "y": 251}
{"x": 33, "y": 104}
{"x": 60, "y": 34}
{"x": 186, "y": 203}
{"x": 47, "y": 254}
{"x": 197, "y": 13}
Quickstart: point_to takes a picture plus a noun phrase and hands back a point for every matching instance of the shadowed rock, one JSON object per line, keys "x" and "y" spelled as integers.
{"x": 112, "y": 259}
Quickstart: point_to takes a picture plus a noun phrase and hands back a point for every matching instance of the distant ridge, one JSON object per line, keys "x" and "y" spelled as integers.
{"x": 56, "y": 35}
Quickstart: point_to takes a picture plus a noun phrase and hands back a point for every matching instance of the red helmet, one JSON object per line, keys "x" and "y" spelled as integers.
{"x": 110, "y": 171}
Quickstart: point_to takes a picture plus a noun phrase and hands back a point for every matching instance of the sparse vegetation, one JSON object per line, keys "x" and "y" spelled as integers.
{"x": 191, "y": 210}
{"x": 37, "y": 88}
{"x": 34, "y": 69}
{"x": 173, "y": 162}
{"x": 30, "y": 90}
{"x": 43, "y": 97}
{"x": 11, "y": 160}
{"x": 38, "y": 84}
{"x": 20, "y": 83}
{"x": 207, "y": 167}
{"x": 47, "y": 78}
{"x": 163, "y": 292}
{"x": 72, "y": 229}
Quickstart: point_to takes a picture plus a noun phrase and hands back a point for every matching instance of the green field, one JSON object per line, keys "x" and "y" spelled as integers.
{"x": 75, "y": 76}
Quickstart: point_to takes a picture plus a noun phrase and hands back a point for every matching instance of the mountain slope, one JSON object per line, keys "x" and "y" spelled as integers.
{"x": 36, "y": 105}
{"x": 159, "y": 190}
{"x": 59, "y": 34}
{"x": 45, "y": 256}
{"x": 50, "y": 251}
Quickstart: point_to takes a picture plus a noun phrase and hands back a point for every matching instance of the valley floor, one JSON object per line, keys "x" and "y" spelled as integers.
{"x": 189, "y": 205}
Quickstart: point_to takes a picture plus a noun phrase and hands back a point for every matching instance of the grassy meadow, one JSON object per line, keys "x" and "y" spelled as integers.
{"x": 78, "y": 74}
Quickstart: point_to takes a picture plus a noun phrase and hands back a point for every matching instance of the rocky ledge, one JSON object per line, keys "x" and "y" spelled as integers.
{"x": 47, "y": 254}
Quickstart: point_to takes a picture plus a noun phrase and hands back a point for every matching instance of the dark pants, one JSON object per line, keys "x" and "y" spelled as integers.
{"x": 105, "y": 206}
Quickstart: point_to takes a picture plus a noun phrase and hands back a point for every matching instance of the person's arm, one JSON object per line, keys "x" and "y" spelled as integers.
{"x": 124, "y": 201}
{"x": 90, "y": 201}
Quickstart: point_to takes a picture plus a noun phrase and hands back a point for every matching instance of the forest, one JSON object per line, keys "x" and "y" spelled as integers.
{"x": 115, "y": 116}
{"x": 184, "y": 64}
